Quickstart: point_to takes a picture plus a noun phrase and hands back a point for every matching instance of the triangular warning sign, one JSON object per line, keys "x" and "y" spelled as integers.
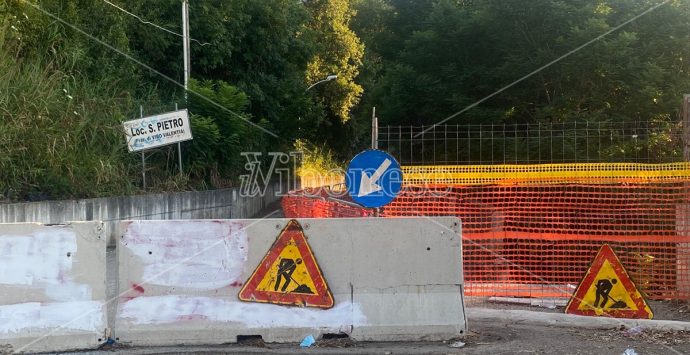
{"x": 288, "y": 274}
{"x": 607, "y": 290}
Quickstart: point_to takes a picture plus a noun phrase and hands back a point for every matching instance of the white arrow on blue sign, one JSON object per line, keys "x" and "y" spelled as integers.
{"x": 373, "y": 178}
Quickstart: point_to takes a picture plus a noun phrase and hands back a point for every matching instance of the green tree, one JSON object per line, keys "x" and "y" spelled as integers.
{"x": 457, "y": 52}
{"x": 339, "y": 51}
{"x": 261, "y": 47}
{"x": 219, "y": 136}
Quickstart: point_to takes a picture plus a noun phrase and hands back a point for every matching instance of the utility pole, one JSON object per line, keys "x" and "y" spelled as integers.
{"x": 187, "y": 67}
{"x": 185, "y": 44}
{"x": 143, "y": 158}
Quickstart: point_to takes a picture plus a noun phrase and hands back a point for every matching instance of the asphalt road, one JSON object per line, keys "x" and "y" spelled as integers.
{"x": 485, "y": 337}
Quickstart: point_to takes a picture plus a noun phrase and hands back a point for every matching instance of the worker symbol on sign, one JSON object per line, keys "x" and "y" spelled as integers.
{"x": 286, "y": 268}
{"x": 288, "y": 274}
{"x": 607, "y": 290}
{"x": 603, "y": 289}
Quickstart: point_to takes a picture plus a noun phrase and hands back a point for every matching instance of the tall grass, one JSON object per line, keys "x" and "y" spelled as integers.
{"x": 62, "y": 101}
{"x": 60, "y": 134}
{"x": 318, "y": 166}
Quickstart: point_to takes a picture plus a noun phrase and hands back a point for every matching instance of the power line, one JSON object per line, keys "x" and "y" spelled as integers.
{"x": 477, "y": 103}
{"x": 151, "y": 23}
{"x": 142, "y": 64}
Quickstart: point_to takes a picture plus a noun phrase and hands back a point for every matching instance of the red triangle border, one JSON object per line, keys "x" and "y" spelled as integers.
{"x": 606, "y": 254}
{"x": 323, "y": 297}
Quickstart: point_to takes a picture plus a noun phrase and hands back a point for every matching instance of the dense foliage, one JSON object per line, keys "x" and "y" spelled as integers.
{"x": 63, "y": 95}
{"x": 427, "y": 60}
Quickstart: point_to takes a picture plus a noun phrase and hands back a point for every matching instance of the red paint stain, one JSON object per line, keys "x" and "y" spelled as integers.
{"x": 236, "y": 284}
{"x": 138, "y": 288}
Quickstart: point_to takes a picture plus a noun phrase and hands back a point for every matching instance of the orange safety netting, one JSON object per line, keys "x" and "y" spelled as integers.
{"x": 534, "y": 238}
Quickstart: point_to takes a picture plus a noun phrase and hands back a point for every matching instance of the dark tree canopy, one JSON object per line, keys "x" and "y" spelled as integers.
{"x": 64, "y": 95}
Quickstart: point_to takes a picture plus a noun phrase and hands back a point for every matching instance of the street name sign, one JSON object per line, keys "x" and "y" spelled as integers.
{"x": 158, "y": 130}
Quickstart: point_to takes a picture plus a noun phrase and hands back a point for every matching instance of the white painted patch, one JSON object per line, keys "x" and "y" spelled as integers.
{"x": 83, "y": 315}
{"x": 174, "y": 308}
{"x": 37, "y": 258}
{"x": 195, "y": 254}
{"x": 69, "y": 291}
{"x": 40, "y": 260}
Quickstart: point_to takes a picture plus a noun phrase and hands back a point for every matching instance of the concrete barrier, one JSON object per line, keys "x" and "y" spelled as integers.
{"x": 391, "y": 279}
{"x": 52, "y": 286}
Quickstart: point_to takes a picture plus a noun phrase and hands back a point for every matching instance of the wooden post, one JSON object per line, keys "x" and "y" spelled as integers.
{"x": 683, "y": 214}
{"x": 685, "y": 118}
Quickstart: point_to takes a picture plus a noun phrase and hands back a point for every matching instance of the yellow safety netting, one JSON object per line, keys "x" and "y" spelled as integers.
{"x": 595, "y": 173}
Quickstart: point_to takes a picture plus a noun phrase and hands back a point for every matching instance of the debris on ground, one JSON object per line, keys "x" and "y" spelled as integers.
{"x": 255, "y": 341}
{"x": 111, "y": 344}
{"x": 666, "y": 337}
{"x": 457, "y": 344}
{"x": 550, "y": 303}
{"x": 307, "y": 341}
{"x": 345, "y": 342}
{"x": 647, "y": 335}
{"x": 630, "y": 352}
{"x": 634, "y": 331}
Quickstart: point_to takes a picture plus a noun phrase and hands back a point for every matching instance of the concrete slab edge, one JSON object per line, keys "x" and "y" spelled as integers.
{"x": 568, "y": 320}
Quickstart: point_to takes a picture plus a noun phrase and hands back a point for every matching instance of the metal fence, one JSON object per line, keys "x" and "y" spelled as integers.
{"x": 534, "y": 143}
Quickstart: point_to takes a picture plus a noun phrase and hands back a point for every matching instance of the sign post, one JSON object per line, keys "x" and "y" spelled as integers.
{"x": 156, "y": 131}
{"x": 179, "y": 151}
{"x": 374, "y": 129}
{"x": 143, "y": 159}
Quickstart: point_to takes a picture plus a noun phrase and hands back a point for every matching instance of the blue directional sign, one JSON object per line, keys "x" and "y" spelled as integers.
{"x": 373, "y": 178}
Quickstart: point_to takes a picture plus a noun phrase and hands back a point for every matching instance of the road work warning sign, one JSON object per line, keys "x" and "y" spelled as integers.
{"x": 288, "y": 274}
{"x": 607, "y": 290}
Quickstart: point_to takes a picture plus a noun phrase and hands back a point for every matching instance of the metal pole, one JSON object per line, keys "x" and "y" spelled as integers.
{"x": 187, "y": 66}
{"x": 179, "y": 156}
{"x": 143, "y": 159}
{"x": 374, "y": 129}
{"x": 185, "y": 44}
{"x": 179, "y": 151}
{"x": 316, "y": 83}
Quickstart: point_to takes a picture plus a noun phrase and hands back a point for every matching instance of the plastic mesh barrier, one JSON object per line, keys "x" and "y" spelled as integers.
{"x": 523, "y": 236}
{"x": 319, "y": 203}
{"x": 596, "y": 173}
